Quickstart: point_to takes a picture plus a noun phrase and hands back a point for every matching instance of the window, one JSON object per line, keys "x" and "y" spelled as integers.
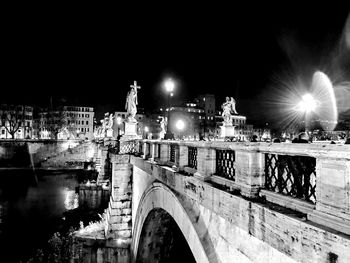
{"x": 87, "y": 122}
{"x": 3, "y": 132}
{"x": 82, "y": 122}
{"x": 88, "y": 129}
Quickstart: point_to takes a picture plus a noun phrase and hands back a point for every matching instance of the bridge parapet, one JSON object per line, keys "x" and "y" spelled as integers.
{"x": 310, "y": 178}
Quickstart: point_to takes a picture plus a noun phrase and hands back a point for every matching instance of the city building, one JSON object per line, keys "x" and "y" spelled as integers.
{"x": 207, "y": 103}
{"x": 16, "y": 121}
{"x": 65, "y": 122}
{"x": 191, "y": 115}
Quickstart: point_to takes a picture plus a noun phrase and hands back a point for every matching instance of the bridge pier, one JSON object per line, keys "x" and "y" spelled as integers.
{"x": 118, "y": 225}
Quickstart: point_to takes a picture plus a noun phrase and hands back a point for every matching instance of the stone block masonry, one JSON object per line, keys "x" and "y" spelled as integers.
{"x": 119, "y": 219}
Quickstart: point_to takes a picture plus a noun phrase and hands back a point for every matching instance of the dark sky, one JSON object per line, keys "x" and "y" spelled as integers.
{"x": 90, "y": 57}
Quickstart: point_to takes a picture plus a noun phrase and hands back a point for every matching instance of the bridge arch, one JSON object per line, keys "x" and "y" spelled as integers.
{"x": 159, "y": 200}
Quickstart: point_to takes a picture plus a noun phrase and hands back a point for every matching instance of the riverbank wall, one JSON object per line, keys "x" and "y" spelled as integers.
{"x": 45, "y": 153}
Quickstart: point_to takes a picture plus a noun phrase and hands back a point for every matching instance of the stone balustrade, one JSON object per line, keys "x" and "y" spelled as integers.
{"x": 310, "y": 178}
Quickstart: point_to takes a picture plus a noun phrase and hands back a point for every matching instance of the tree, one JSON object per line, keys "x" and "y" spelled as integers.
{"x": 12, "y": 118}
{"x": 56, "y": 121}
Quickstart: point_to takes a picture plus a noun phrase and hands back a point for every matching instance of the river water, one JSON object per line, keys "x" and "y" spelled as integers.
{"x": 33, "y": 206}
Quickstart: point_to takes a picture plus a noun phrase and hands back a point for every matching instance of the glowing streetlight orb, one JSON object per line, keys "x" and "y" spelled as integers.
{"x": 146, "y": 129}
{"x": 119, "y": 120}
{"x": 169, "y": 85}
{"x": 180, "y": 125}
{"x": 307, "y": 104}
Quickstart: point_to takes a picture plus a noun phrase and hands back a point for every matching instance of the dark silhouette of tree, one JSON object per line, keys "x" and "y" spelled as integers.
{"x": 56, "y": 121}
{"x": 12, "y": 118}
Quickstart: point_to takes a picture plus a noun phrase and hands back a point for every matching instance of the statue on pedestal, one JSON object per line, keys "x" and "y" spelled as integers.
{"x": 162, "y": 127}
{"x": 131, "y": 102}
{"x": 229, "y": 108}
{"x": 109, "y": 125}
{"x": 131, "y": 108}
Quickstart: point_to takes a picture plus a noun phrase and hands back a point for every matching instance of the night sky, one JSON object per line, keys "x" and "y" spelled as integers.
{"x": 91, "y": 57}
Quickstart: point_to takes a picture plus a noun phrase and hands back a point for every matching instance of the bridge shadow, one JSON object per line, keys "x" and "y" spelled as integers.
{"x": 162, "y": 241}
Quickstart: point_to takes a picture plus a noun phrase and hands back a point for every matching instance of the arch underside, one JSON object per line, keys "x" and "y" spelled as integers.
{"x": 162, "y": 241}
{"x": 160, "y": 214}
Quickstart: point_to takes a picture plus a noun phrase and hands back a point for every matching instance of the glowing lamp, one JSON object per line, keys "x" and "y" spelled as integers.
{"x": 180, "y": 125}
{"x": 307, "y": 104}
{"x": 169, "y": 85}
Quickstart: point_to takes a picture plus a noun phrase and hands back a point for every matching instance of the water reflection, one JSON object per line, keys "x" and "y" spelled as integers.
{"x": 30, "y": 212}
{"x": 71, "y": 200}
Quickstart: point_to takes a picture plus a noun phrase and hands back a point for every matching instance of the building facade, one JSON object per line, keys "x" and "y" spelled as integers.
{"x": 16, "y": 121}
{"x": 207, "y": 103}
{"x": 193, "y": 118}
{"x": 65, "y": 122}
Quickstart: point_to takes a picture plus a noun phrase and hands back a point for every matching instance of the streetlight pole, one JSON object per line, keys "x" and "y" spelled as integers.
{"x": 169, "y": 86}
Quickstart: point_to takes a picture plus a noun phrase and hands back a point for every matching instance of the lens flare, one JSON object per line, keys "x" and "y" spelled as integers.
{"x": 347, "y": 32}
{"x": 308, "y": 104}
{"x": 342, "y": 94}
{"x": 322, "y": 90}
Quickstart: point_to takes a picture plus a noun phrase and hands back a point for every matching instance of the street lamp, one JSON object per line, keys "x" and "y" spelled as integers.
{"x": 146, "y": 131}
{"x": 180, "y": 125}
{"x": 169, "y": 87}
{"x": 307, "y": 105}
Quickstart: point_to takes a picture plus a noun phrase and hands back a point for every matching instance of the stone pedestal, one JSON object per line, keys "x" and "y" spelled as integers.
{"x": 332, "y": 194}
{"x": 227, "y": 131}
{"x": 109, "y": 133}
{"x": 250, "y": 176}
{"x": 205, "y": 163}
{"x": 130, "y": 128}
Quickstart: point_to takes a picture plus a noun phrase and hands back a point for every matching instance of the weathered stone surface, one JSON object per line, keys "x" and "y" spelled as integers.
{"x": 120, "y": 226}
{"x": 243, "y": 230}
{"x": 120, "y": 204}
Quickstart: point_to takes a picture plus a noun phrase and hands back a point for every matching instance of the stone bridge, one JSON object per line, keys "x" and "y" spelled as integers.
{"x": 228, "y": 202}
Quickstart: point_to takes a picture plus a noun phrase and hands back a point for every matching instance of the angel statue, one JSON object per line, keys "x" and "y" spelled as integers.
{"x": 110, "y": 121}
{"x": 131, "y": 101}
{"x": 228, "y": 107}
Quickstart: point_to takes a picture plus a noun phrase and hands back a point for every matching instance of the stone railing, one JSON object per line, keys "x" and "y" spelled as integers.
{"x": 311, "y": 178}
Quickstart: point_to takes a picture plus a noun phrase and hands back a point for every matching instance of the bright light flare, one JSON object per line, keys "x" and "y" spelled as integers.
{"x": 323, "y": 92}
{"x": 347, "y": 32}
{"x": 308, "y": 104}
{"x": 119, "y": 120}
{"x": 146, "y": 129}
{"x": 180, "y": 125}
{"x": 169, "y": 85}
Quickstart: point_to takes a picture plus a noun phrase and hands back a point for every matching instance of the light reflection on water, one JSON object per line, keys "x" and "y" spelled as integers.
{"x": 30, "y": 213}
{"x": 71, "y": 200}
